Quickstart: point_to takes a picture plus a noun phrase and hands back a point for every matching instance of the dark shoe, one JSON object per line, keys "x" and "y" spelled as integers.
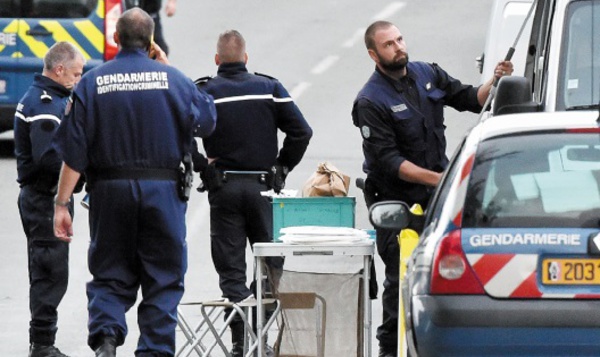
{"x": 387, "y": 352}
{"x": 108, "y": 348}
{"x": 237, "y": 338}
{"x": 237, "y": 351}
{"x": 269, "y": 352}
{"x": 37, "y": 350}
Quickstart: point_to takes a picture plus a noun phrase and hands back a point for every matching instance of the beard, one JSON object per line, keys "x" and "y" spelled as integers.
{"x": 393, "y": 65}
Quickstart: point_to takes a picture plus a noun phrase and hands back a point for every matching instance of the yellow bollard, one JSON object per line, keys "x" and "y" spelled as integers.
{"x": 408, "y": 240}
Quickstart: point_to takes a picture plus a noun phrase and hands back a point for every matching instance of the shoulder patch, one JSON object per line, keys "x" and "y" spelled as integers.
{"x": 202, "y": 80}
{"x": 365, "y": 131}
{"x": 264, "y": 75}
{"x": 45, "y": 97}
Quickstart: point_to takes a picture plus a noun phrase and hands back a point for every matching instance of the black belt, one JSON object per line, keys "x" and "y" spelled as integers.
{"x": 260, "y": 176}
{"x": 133, "y": 174}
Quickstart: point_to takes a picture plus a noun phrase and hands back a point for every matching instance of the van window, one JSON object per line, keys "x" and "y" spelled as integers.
{"x": 48, "y": 9}
{"x": 9, "y": 8}
{"x": 579, "y": 86}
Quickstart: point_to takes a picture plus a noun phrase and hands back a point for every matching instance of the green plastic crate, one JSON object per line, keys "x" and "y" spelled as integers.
{"x": 312, "y": 211}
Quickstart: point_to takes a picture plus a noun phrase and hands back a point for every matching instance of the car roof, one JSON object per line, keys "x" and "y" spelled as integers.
{"x": 523, "y": 123}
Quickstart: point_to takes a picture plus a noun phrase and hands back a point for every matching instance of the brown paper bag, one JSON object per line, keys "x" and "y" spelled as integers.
{"x": 326, "y": 181}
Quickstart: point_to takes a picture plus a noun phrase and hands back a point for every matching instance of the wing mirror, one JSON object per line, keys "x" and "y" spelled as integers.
{"x": 390, "y": 215}
{"x": 395, "y": 215}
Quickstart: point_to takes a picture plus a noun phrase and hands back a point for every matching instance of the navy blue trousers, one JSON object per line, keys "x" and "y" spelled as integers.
{"x": 48, "y": 262}
{"x": 137, "y": 242}
{"x": 238, "y": 213}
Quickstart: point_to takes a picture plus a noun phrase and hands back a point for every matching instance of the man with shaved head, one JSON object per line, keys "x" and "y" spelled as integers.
{"x": 400, "y": 114}
{"x": 245, "y": 160}
{"x": 131, "y": 126}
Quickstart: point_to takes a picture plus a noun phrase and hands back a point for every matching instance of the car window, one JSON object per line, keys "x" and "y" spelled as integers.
{"x": 580, "y": 63}
{"x": 546, "y": 179}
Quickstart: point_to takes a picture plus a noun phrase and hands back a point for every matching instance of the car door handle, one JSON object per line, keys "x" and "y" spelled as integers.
{"x": 38, "y": 32}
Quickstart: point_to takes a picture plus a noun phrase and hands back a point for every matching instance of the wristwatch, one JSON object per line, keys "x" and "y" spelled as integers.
{"x": 57, "y": 202}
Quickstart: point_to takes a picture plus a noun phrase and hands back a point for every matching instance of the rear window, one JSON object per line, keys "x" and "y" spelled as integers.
{"x": 51, "y": 9}
{"x": 542, "y": 180}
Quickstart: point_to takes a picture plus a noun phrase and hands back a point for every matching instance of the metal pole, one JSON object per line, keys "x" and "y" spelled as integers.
{"x": 508, "y": 57}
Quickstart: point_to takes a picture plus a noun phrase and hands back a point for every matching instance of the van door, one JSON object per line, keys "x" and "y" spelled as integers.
{"x": 9, "y": 28}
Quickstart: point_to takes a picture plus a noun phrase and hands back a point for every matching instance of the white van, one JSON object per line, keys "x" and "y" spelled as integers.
{"x": 506, "y": 19}
{"x": 562, "y": 71}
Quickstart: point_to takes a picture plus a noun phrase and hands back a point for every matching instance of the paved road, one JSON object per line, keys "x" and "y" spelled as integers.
{"x": 315, "y": 48}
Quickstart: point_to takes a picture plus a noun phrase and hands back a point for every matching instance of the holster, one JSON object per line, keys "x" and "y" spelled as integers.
{"x": 370, "y": 193}
{"x": 276, "y": 177}
{"x": 46, "y": 184}
{"x": 186, "y": 178}
{"x": 212, "y": 179}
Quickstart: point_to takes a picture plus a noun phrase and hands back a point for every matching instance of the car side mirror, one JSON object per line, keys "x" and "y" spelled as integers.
{"x": 390, "y": 215}
{"x": 514, "y": 95}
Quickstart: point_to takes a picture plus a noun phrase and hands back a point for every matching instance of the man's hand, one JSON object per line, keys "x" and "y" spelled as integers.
{"x": 63, "y": 224}
{"x": 276, "y": 178}
{"x": 503, "y": 68}
{"x": 211, "y": 179}
{"x": 156, "y": 53}
{"x": 171, "y": 7}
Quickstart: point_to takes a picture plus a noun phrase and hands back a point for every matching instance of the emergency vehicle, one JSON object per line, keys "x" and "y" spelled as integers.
{"x": 508, "y": 260}
{"x": 29, "y": 27}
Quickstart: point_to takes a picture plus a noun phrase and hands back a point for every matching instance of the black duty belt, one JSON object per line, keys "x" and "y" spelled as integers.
{"x": 133, "y": 174}
{"x": 260, "y": 176}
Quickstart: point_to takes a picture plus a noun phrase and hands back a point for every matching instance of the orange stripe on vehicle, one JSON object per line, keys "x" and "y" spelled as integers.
{"x": 92, "y": 33}
{"x": 38, "y": 48}
{"x": 489, "y": 265}
{"x": 528, "y": 288}
{"x": 60, "y": 34}
{"x": 467, "y": 167}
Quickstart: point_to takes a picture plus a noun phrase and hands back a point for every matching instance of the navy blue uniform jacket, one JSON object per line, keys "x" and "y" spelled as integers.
{"x": 111, "y": 126}
{"x": 395, "y": 129}
{"x": 38, "y": 115}
{"x": 251, "y": 108}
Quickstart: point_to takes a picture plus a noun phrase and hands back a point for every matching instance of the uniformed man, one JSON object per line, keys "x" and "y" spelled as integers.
{"x": 245, "y": 160}
{"x": 38, "y": 115}
{"x": 399, "y": 112}
{"x": 130, "y": 128}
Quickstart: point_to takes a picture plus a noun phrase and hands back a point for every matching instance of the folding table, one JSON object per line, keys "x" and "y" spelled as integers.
{"x": 365, "y": 248}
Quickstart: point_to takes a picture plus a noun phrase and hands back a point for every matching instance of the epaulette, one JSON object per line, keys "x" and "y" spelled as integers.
{"x": 264, "y": 75}
{"x": 45, "y": 97}
{"x": 202, "y": 80}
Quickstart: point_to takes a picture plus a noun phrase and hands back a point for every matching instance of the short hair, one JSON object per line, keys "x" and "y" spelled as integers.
{"x": 135, "y": 29}
{"x": 231, "y": 46}
{"x": 61, "y": 53}
{"x": 370, "y": 32}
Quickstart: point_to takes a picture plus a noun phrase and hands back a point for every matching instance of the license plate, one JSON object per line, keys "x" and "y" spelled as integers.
{"x": 571, "y": 271}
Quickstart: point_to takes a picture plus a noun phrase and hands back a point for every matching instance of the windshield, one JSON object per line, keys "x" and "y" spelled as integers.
{"x": 579, "y": 86}
{"x": 550, "y": 179}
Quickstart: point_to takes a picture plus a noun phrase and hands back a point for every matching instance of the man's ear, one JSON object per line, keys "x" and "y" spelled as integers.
{"x": 217, "y": 60}
{"x": 116, "y": 38}
{"x": 373, "y": 56}
{"x": 246, "y": 58}
{"x": 58, "y": 70}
